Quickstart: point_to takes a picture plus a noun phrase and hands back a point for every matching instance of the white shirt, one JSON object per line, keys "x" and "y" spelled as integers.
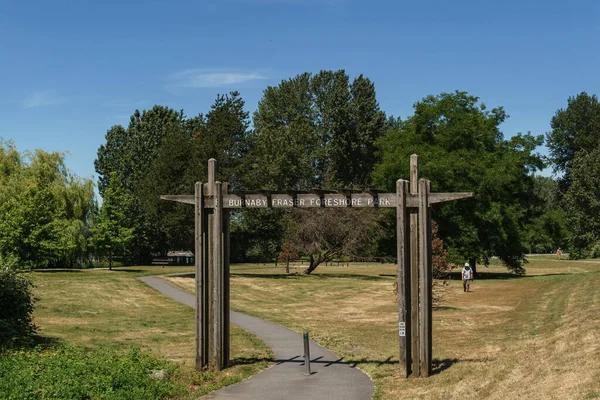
{"x": 467, "y": 273}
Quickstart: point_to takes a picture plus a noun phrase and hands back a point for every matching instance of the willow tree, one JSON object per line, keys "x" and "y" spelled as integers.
{"x": 44, "y": 210}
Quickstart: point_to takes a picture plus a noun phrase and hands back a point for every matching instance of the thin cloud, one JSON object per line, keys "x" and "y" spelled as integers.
{"x": 201, "y": 78}
{"x": 42, "y": 99}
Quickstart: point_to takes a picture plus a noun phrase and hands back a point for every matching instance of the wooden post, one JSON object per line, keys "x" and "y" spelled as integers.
{"x": 429, "y": 284}
{"x": 212, "y": 275}
{"x": 226, "y": 274}
{"x": 404, "y": 306}
{"x": 414, "y": 270}
{"x": 425, "y": 278}
{"x": 201, "y": 282}
{"x": 212, "y": 172}
{"x": 217, "y": 267}
{"x": 210, "y": 249}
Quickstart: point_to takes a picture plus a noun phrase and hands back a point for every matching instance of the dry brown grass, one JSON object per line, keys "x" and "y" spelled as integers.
{"x": 535, "y": 337}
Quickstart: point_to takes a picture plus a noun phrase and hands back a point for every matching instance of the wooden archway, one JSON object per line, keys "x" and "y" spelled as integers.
{"x": 412, "y": 200}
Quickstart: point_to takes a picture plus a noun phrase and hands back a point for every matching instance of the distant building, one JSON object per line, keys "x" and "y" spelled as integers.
{"x": 180, "y": 258}
{"x": 175, "y": 258}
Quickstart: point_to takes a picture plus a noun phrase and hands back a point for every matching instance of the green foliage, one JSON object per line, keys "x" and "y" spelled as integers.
{"x": 126, "y": 157}
{"x": 113, "y": 230}
{"x": 575, "y": 147}
{"x": 595, "y": 253}
{"x": 582, "y": 203}
{"x": 316, "y": 131}
{"x": 547, "y": 230}
{"x": 163, "y": 152}
{"x": 574, "y": 130}
{"x": 16, "y": 326}
{"x": 128, "y": 153}
{"x": 461, "y": 149}
{"x": 256, "y": 234}
{"x": 44, "y": 210}
{"x": 311, "y": 131}
{"x": 181, "y": 161}
{"x": 70, "y": 373}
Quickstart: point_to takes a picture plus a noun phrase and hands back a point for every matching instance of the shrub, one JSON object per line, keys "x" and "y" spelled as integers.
{"x": 441, "y": 268}
{"x": 595, "y": 253}
{"x": 16, "y": 326}
{"x": 71, "y": 373}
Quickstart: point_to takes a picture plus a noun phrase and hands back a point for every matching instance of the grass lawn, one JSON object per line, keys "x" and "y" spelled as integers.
{"x": 532, "y": 337}
{"x": 113, "y": 309}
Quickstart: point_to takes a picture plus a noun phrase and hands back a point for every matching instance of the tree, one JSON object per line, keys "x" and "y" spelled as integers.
{"x": 169, "y": 174}
{"x": 546, "y": 231}
{"x": 129, "y": 152}
{"x": 256, "y": 234}
{"x": 582, "y": 204}
{"x": 461, "y": 148}
{"x": 287, "y": 254}
{"x": 353, "y": 149}
{"x": 44, "y": 210}
{"x": 127, "y": 156}
{"x": 112, "y": 231}
{"x": 284, "y": 139}
{"x": 181, "y": 161}
{"x": 325, "y": 234}
{"x": 225, "y": 138}
{"x": 574, "y": 129}
{"x": 316, "y": 131}
{"x": 574, "y": 144}
{"x": 313, "y": 131}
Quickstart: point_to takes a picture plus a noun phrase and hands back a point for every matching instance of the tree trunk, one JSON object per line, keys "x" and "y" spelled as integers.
{"x": 287, "y": 264}
{"x": 110, "y": 261}
{"x": 473, "y": 263}
{"x": 312, "y": 266}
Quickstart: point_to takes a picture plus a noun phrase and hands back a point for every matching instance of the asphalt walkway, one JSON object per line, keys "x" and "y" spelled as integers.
{"x": 331, "y": 378}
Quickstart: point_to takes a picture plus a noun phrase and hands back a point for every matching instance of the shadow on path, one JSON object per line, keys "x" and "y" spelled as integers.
{"x": 331, "y": 377}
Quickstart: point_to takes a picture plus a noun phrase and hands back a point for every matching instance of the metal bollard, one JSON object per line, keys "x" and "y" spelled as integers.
{"x": 306, "y": 353}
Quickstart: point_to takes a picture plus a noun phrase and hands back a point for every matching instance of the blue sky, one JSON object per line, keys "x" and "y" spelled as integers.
{"x": 72, "y": 69}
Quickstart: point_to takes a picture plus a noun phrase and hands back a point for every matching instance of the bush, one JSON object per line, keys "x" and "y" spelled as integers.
{"x": 595, "y": 253}
{"x": 71, "y": 373}
{"x": 16, "y": 327}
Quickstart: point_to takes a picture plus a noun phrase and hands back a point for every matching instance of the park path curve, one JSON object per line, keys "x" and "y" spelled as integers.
{"x": 331, "y": 378}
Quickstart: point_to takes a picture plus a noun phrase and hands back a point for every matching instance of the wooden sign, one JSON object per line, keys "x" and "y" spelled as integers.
{"x": 305, "y": 200}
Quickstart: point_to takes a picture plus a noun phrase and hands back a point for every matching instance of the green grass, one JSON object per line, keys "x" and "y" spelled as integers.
{"x": 69, "y": 373}
{"x": 112, "y": 311}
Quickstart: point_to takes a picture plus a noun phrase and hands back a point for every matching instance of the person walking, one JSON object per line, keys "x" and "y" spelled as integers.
{"x": 467, "y": 276}
{"x": 558, "y": 253}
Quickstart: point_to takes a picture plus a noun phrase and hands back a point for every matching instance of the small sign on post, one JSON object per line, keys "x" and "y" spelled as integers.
{"x": 402, "y": 328}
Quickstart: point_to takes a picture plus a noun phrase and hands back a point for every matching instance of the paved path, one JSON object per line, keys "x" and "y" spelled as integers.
{"x": 331, "y": 378}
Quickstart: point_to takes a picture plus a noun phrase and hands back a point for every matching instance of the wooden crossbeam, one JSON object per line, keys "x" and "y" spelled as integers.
{"x": 321, "y": 199}
{"x": 180, "y": 198}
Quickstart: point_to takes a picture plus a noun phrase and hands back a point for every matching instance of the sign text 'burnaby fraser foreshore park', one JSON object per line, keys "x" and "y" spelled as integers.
{"x": 306, "y": 201}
